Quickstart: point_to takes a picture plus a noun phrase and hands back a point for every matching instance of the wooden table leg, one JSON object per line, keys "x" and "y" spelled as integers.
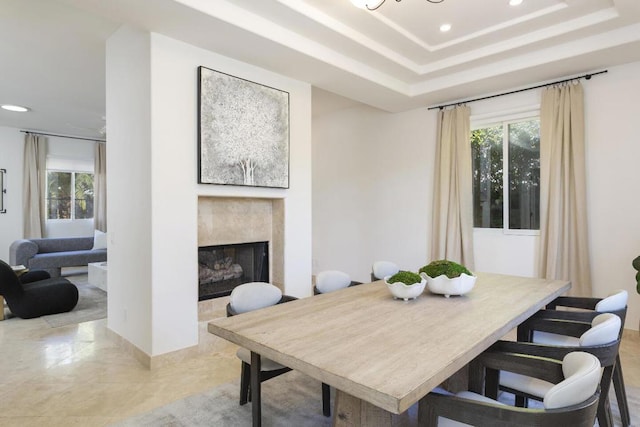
{"x": 351, "y": 411}
{"x": 256, "y": 405}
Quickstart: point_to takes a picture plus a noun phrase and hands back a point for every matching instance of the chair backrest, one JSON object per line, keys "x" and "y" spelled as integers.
{"x": 10, "y": 286}
{"x": 615, "y": 301}
{"x": 382, "y": 269}
{"x": 582, "y": 372}
{"x": 332, "y": 280}
{"x": 254, "y": 295}
{"x": 605, "y": 328}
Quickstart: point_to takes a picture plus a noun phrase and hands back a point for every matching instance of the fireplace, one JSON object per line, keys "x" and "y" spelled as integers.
{"x": 223, "y": 267}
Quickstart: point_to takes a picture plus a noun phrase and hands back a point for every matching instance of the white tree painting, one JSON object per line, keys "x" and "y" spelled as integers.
{"x": 244, "y": 132}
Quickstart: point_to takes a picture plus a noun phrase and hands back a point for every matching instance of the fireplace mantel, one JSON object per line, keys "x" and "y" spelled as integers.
{"x": 230, "y": 220}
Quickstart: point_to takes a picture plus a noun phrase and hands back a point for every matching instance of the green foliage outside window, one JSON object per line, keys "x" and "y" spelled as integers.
{"x": 522, "y": 168}
{"x": 69, "y": 195}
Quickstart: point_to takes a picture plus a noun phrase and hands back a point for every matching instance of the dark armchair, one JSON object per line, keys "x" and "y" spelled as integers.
{"x": 35, "y": 293}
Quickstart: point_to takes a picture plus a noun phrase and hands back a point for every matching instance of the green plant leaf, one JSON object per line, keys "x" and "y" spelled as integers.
{"x": 406, "y": 277}
{"x": 448, "y": 268}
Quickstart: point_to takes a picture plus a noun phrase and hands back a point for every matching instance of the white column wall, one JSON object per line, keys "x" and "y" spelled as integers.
{"x": 162, "y": 112}
{"x": 175, "y": 189}
{"x": 129, "y": 187}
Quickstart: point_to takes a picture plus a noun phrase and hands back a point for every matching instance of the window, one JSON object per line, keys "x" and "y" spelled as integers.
{"x": 514, "y": 147}
{"x": 69, "y": 195}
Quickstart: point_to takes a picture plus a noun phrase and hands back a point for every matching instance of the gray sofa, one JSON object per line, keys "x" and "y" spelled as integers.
{"x": 54, "y": 253}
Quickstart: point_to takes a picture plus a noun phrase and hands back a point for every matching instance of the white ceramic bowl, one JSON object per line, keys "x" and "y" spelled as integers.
{"x": 405, "y": 292}
{"x": 447, "y": 287}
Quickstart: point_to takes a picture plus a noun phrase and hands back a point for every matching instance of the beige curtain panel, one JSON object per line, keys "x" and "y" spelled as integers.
{"x": 100, "y": 187}
{"x": 34, "y": 181}
{"x": 564, "y": 248}
{"x": 452, "y": 234}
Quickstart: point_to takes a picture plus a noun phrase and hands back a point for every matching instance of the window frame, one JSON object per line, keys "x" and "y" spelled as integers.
{"x": 505, "y": 118}
{"x": 73, "y": 195}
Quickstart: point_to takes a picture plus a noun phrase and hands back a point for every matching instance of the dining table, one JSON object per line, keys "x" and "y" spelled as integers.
{"x": 382, "y": 355}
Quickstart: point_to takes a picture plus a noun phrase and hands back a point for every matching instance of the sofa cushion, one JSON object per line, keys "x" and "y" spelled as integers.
{"x": 99, "y": 240}
{"x": 63, "y": 244}
{"x": 67, "y": 259}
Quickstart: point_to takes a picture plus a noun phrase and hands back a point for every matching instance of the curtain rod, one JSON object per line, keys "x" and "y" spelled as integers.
{"x": 63, "y": 136}
{"x": 586, "y": 77}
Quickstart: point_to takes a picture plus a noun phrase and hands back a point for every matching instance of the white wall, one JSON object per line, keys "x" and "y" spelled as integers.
{"x": 352, "y": 147}
{"x": 155, "y": 114}
{"x": 11, "y": 159}
{"x": 372, "y": 186}
{"x": 613, "y": 175}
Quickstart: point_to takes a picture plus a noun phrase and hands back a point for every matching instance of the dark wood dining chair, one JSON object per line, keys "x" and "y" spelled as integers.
{"x": 601, "y": 338}
{"x": 573, "y": 400}
{"x": 589, "y": 307}
{"x": 253, "y": 296}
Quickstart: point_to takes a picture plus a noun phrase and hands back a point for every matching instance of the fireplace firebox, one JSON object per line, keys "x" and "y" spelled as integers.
{"x": 223, "y": 267}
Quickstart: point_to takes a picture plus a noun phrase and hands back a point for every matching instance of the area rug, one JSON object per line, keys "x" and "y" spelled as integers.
{"x": 288, "y": 400}
{"x": 92, "y": 304}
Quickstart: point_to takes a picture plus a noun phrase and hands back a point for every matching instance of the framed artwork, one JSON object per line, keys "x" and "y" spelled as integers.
{"x": 243, "y": 132}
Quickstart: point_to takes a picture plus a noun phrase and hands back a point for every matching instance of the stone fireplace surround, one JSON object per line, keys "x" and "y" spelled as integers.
{"x": 229, "y": 220}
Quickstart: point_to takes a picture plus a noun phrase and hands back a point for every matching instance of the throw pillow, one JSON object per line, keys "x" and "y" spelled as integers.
{"x": 99, "y": 240}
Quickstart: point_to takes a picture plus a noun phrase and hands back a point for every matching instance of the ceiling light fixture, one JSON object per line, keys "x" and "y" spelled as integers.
{"x": 515, "y": 2}
{"x": 16, "y": 108}
{"x": 445, "y": 27}
{"x": 374, "y": 4}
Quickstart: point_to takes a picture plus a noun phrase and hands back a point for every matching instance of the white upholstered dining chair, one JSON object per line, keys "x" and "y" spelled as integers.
{"x": 253, "y": 296}
{"x": 382, "y": 269}
{"x": 331, "y": 280}
{"x": 589, "y": 307}
{"x": 600, "y": 338}
{"x": 572, "y": 400}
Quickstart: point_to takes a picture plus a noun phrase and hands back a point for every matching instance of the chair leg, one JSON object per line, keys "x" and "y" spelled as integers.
{"x": 521, "y": 401}
{"x": 605, "y": 419}
{"x": 326, "y": 400}
{"x": 621, "y": 393}
{"x": 245, "y": 379}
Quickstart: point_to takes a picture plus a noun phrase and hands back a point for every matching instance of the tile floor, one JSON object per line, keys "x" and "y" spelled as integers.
{"x": 77, "y": 375}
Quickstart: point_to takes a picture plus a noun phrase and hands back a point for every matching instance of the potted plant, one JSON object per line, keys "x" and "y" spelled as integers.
{"x": 405, "y": 285}
{"x": 447, "y": 278}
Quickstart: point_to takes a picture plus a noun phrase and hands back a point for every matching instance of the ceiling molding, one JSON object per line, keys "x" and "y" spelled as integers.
{"x": 522, "y": 40}
{"x": 503, "y": 25}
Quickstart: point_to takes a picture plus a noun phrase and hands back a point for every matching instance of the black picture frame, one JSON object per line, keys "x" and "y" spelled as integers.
{"x": 243, "y": 132}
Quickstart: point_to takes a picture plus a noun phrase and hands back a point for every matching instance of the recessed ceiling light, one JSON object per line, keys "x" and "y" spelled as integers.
{"x": 16, "y": 108}
{"x": 515, "y": 2}
{"x": 445, "y": 27}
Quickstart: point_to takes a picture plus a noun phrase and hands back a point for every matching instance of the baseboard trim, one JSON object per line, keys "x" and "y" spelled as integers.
{"x": 152, "y": 362}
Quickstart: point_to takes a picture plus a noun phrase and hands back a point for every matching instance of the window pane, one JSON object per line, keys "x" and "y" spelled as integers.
{"x": 84, "y": 196}
{"x": 524, "y": 175}
{"x": 486, "y": 152}
{"x": 59, "y": 195}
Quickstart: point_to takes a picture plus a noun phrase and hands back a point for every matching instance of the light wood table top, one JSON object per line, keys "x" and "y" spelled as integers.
{"x": 388, "y": 352}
